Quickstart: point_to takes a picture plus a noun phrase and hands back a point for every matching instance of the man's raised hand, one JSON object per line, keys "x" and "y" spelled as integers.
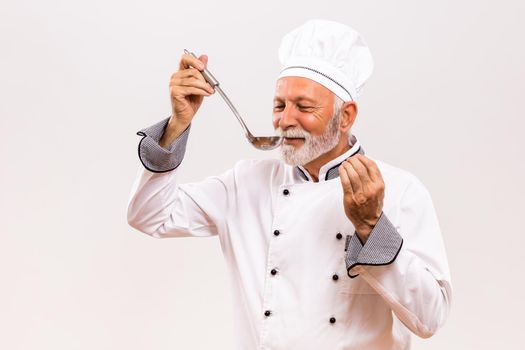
{"x": 187, "y": 90}
{"x": 363, "y": 193}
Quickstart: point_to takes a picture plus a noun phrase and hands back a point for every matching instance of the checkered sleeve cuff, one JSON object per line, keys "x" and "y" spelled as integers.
{"x": 153, "y": 156}
{"x": 381, "y": 248}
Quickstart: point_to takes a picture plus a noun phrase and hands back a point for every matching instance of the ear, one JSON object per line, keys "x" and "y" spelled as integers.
{"x": 348, "y": 115}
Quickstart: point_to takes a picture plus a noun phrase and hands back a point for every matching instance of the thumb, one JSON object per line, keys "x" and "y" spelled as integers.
{"x": 204, "y": 59}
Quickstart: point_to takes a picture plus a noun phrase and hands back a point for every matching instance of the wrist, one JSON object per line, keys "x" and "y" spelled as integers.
{"x": 363, "y": 233}
{"x": 172, "y": 132}
{"x": 364, "y": 229}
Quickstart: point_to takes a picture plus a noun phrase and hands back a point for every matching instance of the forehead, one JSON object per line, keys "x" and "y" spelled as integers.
{"x": 293, "y": 88}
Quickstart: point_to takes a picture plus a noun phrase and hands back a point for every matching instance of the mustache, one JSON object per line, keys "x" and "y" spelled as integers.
{"x": 295, "y": 132}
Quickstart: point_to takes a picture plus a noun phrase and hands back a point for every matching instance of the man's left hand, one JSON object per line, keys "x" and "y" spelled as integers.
{"x": 363, "y": 193}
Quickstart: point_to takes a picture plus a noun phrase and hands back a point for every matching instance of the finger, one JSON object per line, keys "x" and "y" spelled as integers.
{"x": 190, "y": 90}
{"x": 187, "y": 61}
{"x": 355, "y": 180}
{"x": 194, "y": 82}
{"x": 345, "y": 180}
{"x": 360, "y": 168}
{"x": 190, "y": 72}
{"x": 372, "y": 168}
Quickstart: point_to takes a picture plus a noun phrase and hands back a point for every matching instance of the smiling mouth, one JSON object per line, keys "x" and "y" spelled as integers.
{"x": 293, "y": 139}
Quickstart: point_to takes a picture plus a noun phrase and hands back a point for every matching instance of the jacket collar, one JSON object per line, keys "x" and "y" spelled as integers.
{"x": 330, "y": 170}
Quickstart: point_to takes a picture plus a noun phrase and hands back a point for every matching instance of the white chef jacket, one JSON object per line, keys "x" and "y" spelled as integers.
{"x": 300, "y": 276}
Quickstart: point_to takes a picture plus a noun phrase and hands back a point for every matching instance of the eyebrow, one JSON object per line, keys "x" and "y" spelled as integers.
{"x": 297, "y": 99}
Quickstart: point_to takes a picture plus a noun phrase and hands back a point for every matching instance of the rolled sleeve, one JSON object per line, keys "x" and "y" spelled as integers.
{"x": 153, "y": 156}
{"x": 381, "y": 248}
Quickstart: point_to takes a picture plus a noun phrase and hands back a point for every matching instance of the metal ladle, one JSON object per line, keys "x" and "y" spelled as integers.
{"x": 264, "y": 143}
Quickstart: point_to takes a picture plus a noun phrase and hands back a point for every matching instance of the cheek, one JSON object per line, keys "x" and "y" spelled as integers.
{"x": 312, "y": 124}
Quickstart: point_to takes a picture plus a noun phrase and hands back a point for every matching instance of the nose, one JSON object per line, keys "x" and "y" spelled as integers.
{"x": 287, "y": 118}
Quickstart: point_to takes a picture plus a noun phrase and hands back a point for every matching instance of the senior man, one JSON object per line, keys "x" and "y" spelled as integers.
{"x": 326, "y": 248}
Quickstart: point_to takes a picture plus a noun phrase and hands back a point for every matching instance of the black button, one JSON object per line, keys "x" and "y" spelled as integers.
{"x": 276, "y": 232}
{"x": 332, "y": 319}
{"x": 335, "y": 277}
{"x": 273, "y": 272}
{"x": 286, "y": 192}
{"x": 339, "y": 235}
{"x": 267, "y": 313}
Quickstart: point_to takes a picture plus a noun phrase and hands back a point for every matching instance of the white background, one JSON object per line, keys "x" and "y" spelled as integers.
{"x": 79, "y": 78}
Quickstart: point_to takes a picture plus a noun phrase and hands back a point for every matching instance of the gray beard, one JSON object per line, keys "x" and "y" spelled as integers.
{"x": 313, "y": 146}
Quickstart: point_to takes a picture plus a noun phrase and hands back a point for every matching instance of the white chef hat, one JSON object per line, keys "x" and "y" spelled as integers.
{"x": 329, "y": 53}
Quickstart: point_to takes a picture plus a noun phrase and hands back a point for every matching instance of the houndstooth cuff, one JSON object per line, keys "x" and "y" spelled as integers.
{"x": 381, "y": 248}
{"x": 153, "y": 156}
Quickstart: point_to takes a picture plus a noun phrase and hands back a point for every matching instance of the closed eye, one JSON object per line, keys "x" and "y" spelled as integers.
{"x": 305, "y": 108}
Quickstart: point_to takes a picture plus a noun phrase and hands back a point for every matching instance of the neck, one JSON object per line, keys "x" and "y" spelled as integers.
{"x": 315, "y": 165}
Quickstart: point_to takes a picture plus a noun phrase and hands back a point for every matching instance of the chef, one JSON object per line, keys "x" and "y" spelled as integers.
{"x": 326, "y": 248}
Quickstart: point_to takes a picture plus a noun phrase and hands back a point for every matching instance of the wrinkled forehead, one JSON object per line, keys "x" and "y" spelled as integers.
{"x": 295, "y": 88}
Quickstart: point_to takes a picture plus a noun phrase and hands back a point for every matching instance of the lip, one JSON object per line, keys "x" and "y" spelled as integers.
{"x": 292, "y": 140}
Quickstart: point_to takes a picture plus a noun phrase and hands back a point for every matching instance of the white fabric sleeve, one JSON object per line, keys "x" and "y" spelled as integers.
{"x": 417, "y": 284}
{"x": 160, "y": 207}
